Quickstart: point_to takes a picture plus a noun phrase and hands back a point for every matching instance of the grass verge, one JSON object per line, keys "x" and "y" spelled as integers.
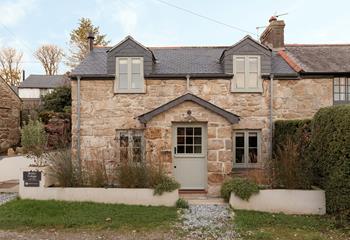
{"x": 265, "y": 226}
{"x": 22, "y": 214}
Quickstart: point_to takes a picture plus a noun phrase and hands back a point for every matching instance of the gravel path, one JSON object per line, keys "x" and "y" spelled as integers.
{"x": 6, "y": 197}
{"x": 208, "y": 222}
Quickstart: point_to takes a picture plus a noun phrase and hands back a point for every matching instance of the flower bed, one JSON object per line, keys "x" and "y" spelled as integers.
{"x": 283, "y": 200}
{"x": 130, "y": 196}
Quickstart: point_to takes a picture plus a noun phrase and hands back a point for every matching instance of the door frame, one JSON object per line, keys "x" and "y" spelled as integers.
{"x": 204, "y": 154}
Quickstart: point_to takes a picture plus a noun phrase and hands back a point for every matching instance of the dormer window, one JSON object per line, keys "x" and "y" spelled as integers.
{"x": 247, "y": 74}
{"x": 129, "y": 75}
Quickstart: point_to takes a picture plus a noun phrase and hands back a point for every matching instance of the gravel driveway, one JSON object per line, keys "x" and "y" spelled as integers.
{"x": 208, "y": 222}
{"x": 5, "y": 197}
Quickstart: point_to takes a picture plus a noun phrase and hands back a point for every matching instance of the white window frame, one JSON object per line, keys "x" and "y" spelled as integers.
{"x": 346, "y": 91}
{"x": 129, "y": 89}
{"x": 246, "y": 163}
{"x": 259, "y": 88}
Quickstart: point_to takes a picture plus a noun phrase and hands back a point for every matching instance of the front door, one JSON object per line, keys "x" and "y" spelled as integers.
{"x": 189, "y": 155}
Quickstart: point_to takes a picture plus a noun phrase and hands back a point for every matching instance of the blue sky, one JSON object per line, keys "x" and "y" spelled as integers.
{"x": 26, "y": 24}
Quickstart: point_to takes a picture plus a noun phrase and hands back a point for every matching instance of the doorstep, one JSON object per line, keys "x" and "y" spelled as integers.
{"x": 200, "y": 197}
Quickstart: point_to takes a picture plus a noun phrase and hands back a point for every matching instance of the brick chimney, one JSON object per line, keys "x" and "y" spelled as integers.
{"x": 273, "y": 35}
{"x": 91, "y": 39}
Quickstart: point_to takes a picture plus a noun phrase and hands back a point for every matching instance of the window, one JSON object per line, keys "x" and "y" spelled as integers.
{"x": 246, "y": 71}
{"x": 341, "y": 90}
{"x": 129, "y": 75}
{"x": 189, "y": 140}
{"x": 130, "y": 145}
{"x": 246, "y": 148}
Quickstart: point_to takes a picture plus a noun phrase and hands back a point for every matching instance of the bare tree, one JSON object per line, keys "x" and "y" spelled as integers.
{"x": 50, "y": 57}
{"x": 10, "y": 65}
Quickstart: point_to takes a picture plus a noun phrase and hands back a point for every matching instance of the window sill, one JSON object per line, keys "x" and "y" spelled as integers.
{"x": 130, "y": 91}
{"x": 246, "y": 166}
{"x": 258, "y": 91}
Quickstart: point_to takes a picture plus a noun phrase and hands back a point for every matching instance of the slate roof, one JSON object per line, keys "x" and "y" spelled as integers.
{"x": 320, "y": 58}
{"x": 44, "y": 81}
{"x": 206, "y": 61}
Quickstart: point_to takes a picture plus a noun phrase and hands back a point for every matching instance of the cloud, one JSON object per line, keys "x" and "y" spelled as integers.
{"x": 127, "y": 17}
{"x": 14, "y": 11}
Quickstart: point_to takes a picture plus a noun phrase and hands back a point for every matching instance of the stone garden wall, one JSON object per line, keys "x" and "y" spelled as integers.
{"x": 10, "y": 107}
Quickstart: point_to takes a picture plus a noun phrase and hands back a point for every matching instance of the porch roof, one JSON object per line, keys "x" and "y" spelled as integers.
{"x": 146, "y": 117}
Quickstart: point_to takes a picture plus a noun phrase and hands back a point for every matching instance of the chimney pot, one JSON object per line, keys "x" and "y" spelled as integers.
{"x": 91, "y": 39}
{"x": 272, "y": 18}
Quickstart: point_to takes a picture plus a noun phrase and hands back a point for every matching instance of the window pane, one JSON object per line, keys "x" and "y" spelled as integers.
{"x": 180, "y": 140}
{"x": 180, "y": 131}
{"x": 123, "y": 81}
{"x": 136, "y": 66}
{"x": 253, "y": 155}
{"x": 253, "y": 140}
{"x": 189, "y": 131}
{"x": 336, "y": 97}
{"x": 197, "y": 149}
{"x": 181, "y": 149}
{"x": 239, "y": 139}
{"x": 189, "y": 140}
{"x": 124, "y": 140}
{"x": 240, "y": 64}
{"x": 123, "y": 66}
{"x": 342, "y": 81}
{"x": 189, "y": 149}
{"x": 253, "y": 64}
{"x": 239, "y": 155}
{"x": 198, "y": 131}
{"x": 253, "y": 80}
{"x": 136, "y": 81}
{"x": 198, "y": 140}
{"x": 240, "y": 79}
{"x": 336, "y": 81}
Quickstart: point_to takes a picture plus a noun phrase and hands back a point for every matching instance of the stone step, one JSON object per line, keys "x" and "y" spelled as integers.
{"x": 10, "y": 186}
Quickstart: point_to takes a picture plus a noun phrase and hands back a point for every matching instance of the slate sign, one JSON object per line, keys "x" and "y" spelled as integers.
{"x": 32, "y": 178}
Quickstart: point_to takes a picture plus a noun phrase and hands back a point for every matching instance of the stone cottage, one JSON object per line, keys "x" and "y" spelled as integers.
{"x": 203, "y": 112}
{"x": 10, "y": 109}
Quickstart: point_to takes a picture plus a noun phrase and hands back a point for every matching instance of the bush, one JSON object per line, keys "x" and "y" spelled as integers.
{"x": 182, "y": 203}
{"x": 58, "y": 99}
{"x": 95, "y": 174}
{"x": 140, "y": 175}
{"x": 330, "y": 152}
{"x": 63, "y": 169}
{"x": 33, "y": 139}
{"x": 241, "y": 187}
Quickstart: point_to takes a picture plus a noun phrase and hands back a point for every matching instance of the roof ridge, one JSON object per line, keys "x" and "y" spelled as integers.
{"x": 316, "y": 44}
{"x": 165, "y": 47}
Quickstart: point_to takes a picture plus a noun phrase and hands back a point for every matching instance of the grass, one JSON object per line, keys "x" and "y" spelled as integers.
{"x": 22, "y": 214}
{"x": 265, "y": 226}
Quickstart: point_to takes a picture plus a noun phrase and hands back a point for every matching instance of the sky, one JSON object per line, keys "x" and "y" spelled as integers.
{"x": 27, "y": 24}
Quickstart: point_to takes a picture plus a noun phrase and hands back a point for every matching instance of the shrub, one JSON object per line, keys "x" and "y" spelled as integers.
{"x": 182, "y": 203}
{"x": 140, "y": 175}
{"x": 241, "y": 187}
{"x": 62, "y": 168}
{"x": 58, "y": 99}
{"x": 288, "y": 169}
{"x": 167, "y": 184}
{"x": 95, "y": 174}
{"x": 330, "y": 152}
{"x": 33, "y": 139}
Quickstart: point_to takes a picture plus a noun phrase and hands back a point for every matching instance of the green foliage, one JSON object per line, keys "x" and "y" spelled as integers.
{"x": 31, "y": 214}
{"x": 33, "y": 139}
{"x": 259, "y": 225}
{"x": 140, "y": 175}
{"x": 330, "y": 152}
{"x": 182, "y": 203}
{"x": 78, "y": 41}
{"x": 62, "y": 168}
{"x": 58, "y": 99}
{"x": 241, "y": 187}
{"x": 167, "y": 184}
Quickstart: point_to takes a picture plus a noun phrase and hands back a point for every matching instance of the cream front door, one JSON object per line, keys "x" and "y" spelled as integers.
{"x": 190, "y": 155}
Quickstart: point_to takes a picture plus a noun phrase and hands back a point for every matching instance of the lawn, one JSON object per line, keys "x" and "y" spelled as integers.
{"x": 22, "y": 214}
{"x": 257, "y": 225}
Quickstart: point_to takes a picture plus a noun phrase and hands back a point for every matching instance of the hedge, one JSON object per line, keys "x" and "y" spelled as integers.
{"x": 330, "y": 152}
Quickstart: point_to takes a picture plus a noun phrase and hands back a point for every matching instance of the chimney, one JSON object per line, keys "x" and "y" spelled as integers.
{"x": 273, "y": 35}
{"x": 91, "y": 39}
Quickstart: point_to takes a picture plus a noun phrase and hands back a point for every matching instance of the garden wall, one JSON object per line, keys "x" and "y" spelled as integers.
{"x": 286, "y": 201}
{"x": 130, "y": 196}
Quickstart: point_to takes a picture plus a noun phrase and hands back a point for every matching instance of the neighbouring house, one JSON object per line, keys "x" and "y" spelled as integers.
{"x": 10, "y": 108}
{"x": 204, "y": 112}
{"x": 35, "y": 86}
